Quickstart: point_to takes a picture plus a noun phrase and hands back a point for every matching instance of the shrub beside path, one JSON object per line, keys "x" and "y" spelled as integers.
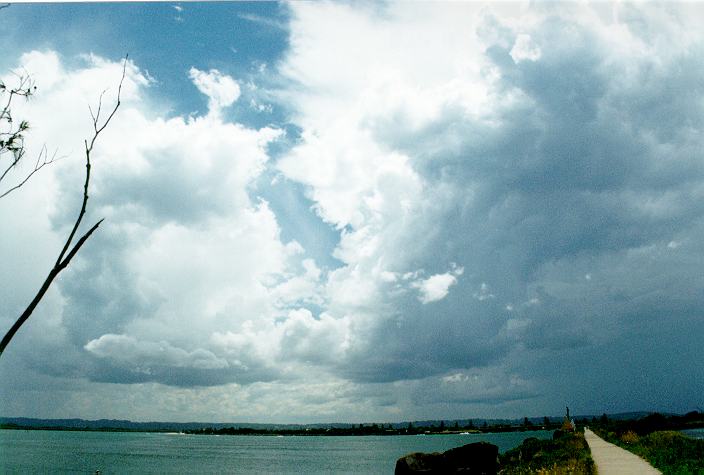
{"x": 613, "y": 460}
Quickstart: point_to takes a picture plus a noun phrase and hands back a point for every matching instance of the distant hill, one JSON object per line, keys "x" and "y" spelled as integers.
{"x": 625, "y": 416}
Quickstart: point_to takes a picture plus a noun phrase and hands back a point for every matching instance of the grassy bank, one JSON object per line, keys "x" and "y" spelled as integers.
{"x": 656, "y": 438}
{"x": 669, "y": 451}
{"x": 565, "y": 454}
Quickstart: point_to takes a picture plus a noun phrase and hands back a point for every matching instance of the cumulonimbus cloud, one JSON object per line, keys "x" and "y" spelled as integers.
{"x": 528, "y": 147}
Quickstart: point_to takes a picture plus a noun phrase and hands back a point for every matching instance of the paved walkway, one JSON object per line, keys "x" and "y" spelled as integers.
{"x": 613, "y": 460}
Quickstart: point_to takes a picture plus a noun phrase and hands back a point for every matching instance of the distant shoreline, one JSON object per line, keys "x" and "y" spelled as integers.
{"x": 247, "y": 431}
{"x": 427, "y": 427}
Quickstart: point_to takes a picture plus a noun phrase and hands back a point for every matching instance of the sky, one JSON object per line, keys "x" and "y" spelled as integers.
{"x": 359, "y": 211}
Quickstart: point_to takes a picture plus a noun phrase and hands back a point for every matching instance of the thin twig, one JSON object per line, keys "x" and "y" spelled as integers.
{"x": 37, "y": 166}
{"x": 88, "y": 150}
{"x": 17, "y": 158}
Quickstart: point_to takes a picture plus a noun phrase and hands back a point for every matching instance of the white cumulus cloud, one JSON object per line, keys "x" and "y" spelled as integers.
{"x": 221, "y": 89}
{"x": 436, "y": 287}
{"x": 146, "y": 354}
{"x": 525, "y": 49}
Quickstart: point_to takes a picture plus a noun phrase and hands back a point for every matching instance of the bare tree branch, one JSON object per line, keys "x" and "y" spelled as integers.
{"x": 66, "y": 255}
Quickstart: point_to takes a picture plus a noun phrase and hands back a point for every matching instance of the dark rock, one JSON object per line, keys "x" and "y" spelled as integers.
{"x": 418, "y": 462}
{"x": 480, "y": 458}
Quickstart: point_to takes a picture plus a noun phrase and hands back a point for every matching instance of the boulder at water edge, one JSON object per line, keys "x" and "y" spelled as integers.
{"x": 480, "y": 458}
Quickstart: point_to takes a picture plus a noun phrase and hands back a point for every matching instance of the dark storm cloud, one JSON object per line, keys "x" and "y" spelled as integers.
{"x": 170, "y": 375}
{"x": 453, "y": 333}
{"x": 572, "y": 209}
{"x": 102, "y": 294}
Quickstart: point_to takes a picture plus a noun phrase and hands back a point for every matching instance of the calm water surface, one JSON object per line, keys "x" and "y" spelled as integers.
{"x": 112, "y": 452}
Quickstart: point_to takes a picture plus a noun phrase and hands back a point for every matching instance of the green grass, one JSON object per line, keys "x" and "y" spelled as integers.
{"x": 669, "y": 451}
{"x": 564, "y": 454}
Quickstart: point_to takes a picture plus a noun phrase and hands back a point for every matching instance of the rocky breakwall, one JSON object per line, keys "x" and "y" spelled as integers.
{"x": 479, "y": 458}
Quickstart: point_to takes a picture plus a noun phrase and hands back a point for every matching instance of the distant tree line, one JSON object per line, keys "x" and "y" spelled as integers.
{"x": 645, "y": 425}
{"x": 381, "y": 429}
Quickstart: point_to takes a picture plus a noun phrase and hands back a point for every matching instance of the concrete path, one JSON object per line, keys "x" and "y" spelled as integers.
{"x": 613, "y": 460}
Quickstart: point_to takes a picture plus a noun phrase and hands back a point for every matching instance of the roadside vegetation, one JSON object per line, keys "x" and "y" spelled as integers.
{"x": 656, "y": 439}
{"x": 566, "y": 453}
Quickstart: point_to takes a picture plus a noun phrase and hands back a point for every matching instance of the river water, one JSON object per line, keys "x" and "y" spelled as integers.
{"x": 135, "y": 452}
